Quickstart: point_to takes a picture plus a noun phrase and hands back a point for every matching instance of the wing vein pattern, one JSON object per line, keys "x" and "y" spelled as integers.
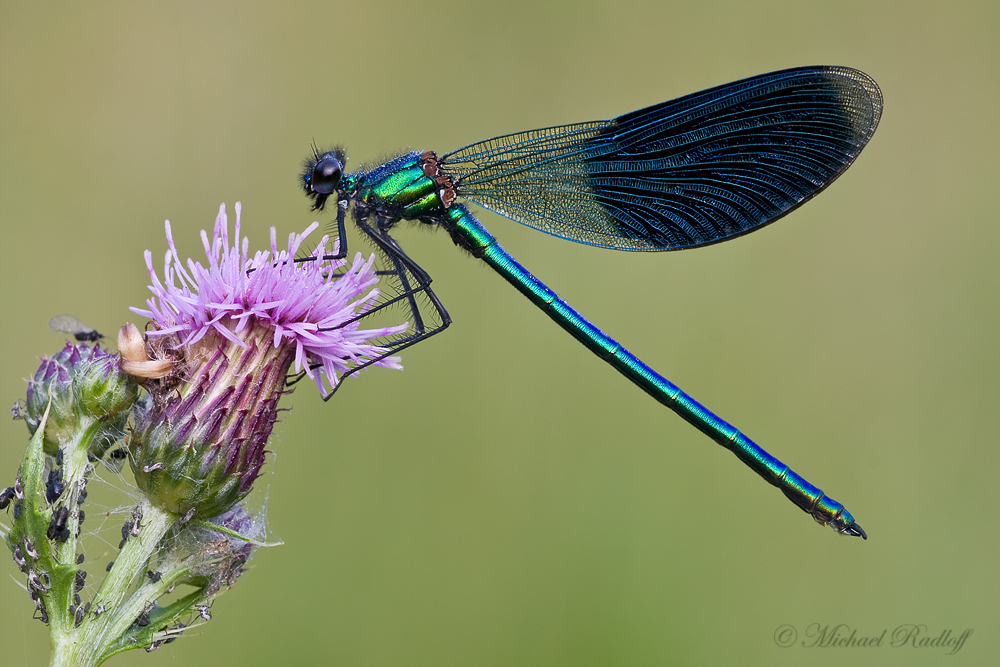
{"x": 689, "y": 172}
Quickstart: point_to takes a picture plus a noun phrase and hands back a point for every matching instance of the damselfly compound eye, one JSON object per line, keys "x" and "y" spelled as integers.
{"x": 326, "y": 174}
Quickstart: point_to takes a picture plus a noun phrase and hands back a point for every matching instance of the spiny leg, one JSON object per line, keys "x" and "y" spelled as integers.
{"x": 342, "y": 205}
{"x": 341, "y": 253}
{"x": 412, "y": 282}
{"x": 401, "y": 266}
{"x": 413, "y": 286}
{"x": 397, "y": 270}
{"x": 421, "y": 331}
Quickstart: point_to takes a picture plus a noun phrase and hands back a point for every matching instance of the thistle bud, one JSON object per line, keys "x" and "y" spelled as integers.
{"x": 214, "y": 559}
{"x": 85, "y": 385}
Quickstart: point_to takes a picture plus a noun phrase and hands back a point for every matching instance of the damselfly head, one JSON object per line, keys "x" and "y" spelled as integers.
{"x": 321, "y": 175}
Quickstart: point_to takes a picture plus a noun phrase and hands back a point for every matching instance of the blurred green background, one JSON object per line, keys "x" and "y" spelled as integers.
{"x": 508, "y": 499}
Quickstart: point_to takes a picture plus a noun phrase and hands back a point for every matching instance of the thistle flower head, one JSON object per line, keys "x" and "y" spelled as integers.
{"x": 229, "y": 331}
{"x": 299, "y": 304}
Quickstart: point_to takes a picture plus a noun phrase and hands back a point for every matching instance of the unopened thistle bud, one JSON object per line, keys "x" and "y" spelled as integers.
{"x": 87, "y": 389}
{"x": 213, "y": 559}
{"x": 226, "y": 336}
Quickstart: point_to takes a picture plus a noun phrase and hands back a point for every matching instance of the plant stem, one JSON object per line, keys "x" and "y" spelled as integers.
{"x": 90, "y": 644}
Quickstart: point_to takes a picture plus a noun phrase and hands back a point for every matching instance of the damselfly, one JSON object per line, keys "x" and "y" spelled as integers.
{"x": 690, "y": 172}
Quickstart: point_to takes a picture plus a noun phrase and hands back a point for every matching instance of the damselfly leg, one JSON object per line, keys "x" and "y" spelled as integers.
{"x": 404, "y": 286}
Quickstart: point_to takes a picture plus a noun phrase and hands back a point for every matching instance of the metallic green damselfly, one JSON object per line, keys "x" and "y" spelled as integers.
{"x": 701, "y": 169}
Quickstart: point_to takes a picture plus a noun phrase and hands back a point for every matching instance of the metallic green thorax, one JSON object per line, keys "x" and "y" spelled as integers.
{"x": 407, "y": 188}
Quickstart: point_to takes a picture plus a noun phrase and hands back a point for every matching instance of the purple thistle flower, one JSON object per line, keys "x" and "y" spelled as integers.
{"x": 293, "y": 301}
{"x": 221, "y": 344}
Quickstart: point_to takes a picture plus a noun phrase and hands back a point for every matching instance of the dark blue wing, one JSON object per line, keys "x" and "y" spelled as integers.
{"x": 693, "y": 171}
